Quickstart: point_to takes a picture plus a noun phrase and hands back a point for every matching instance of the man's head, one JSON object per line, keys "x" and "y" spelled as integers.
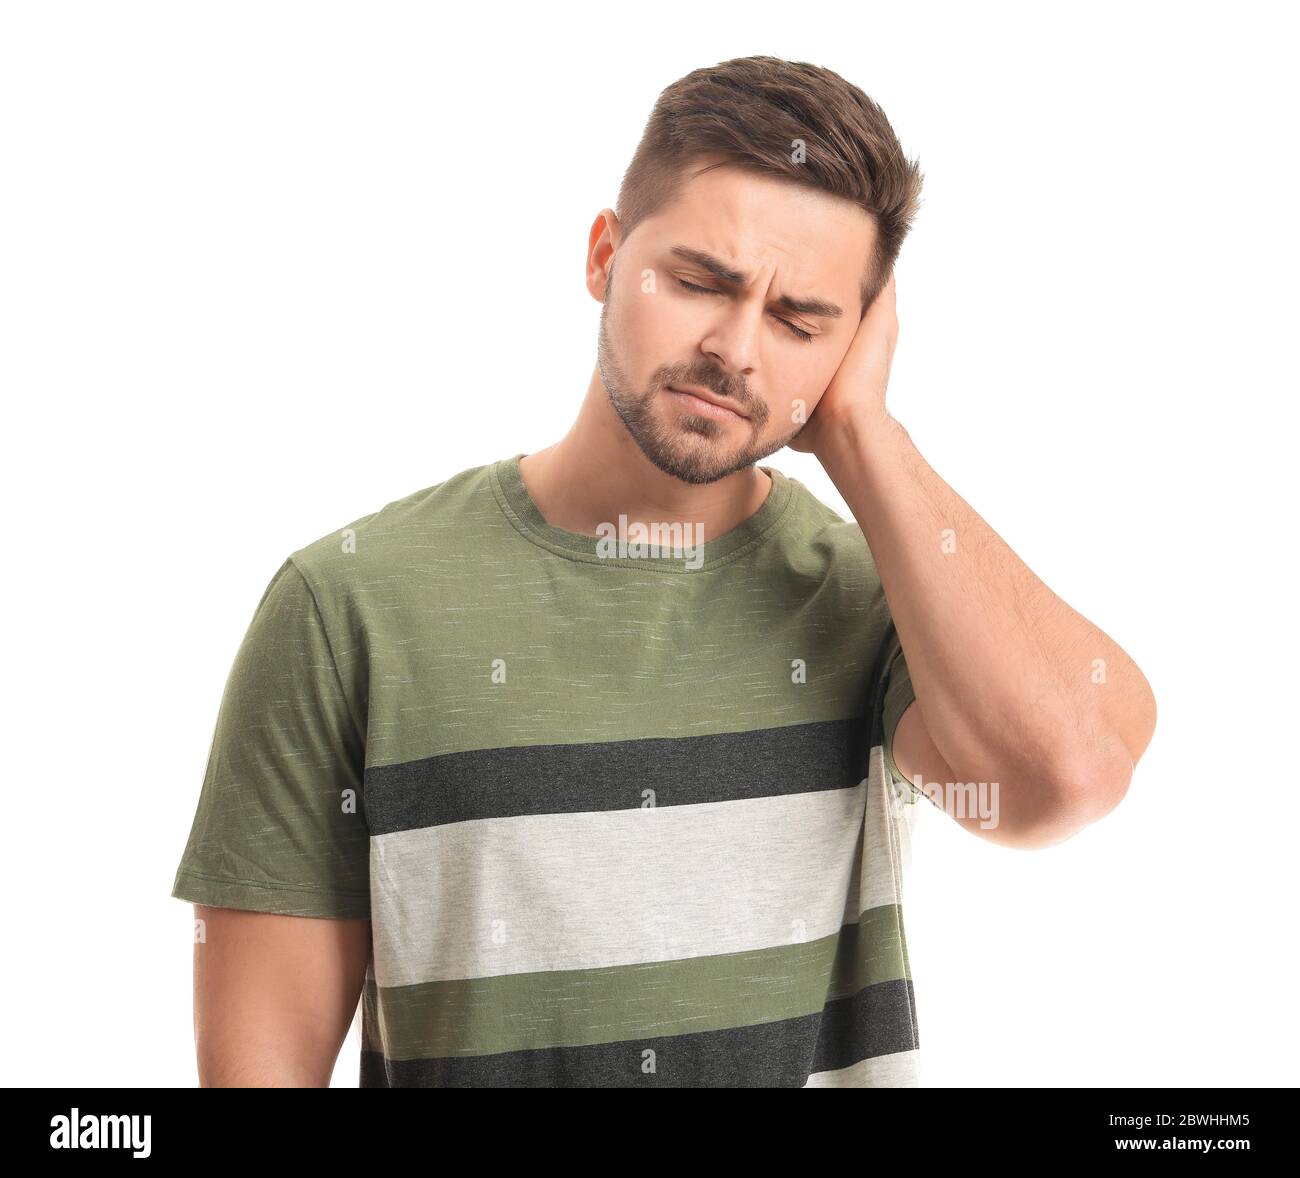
{"x": 762, "y": 213}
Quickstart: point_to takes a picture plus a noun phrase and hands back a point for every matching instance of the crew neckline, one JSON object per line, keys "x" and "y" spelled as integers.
{"x": 515, "y": 501}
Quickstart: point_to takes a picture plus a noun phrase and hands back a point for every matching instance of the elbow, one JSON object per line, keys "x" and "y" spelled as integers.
{"x": 1077, "y": 793}
{"x": 1088, "y": 787}
{"x": 1097, "y": 782}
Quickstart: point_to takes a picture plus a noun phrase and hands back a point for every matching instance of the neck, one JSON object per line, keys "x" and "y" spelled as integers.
{"x": 597, "y": 472}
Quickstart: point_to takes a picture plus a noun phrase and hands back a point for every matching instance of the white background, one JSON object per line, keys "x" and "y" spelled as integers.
{"x": 267, "y": 267}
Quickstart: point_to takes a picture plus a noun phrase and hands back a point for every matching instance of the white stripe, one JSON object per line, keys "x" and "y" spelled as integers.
{"x": 500, "y": 896}
{"x": 900, "y": 1070}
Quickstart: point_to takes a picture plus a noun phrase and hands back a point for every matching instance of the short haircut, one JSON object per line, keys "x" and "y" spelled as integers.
{"x": 755, "y": 111}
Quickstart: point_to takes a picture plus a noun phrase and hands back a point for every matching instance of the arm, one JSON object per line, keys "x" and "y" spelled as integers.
{"x": 274, "y": 996}
{"x": 277, "y": 862}
{"x": 1007, "y": 679}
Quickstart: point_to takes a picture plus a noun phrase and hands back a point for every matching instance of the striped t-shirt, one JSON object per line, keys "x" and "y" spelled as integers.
{"x": 618, "y": 818}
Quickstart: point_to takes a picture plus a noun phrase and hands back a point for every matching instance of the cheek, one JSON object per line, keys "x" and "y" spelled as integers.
{"x": 655, "y": 330}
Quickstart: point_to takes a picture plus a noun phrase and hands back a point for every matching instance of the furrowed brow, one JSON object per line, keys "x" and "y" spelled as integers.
{"x": 714, "y": 266}
{"x": 811, "y": 307}
{"x": 724, "y": 273}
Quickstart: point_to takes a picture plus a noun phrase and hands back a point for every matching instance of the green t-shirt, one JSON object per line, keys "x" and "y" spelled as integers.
{"x": 617, "y": 819}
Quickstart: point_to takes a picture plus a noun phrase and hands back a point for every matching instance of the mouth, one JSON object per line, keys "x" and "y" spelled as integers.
{"x": 702, "y": 403}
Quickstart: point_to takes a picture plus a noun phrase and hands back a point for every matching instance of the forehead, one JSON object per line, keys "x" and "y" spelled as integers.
{"x": 811, "y": 238}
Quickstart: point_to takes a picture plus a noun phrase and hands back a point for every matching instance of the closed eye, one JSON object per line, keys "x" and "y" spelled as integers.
{"x": 805, "y": 336}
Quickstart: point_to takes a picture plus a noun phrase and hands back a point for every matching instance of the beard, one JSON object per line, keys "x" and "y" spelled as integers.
{"x": 689, "y": 447}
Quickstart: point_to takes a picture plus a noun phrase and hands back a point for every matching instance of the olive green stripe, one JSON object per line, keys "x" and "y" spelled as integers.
{"x": 570, "y": 1008}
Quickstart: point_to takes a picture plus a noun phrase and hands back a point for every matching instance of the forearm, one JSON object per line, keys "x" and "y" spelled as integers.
{"x": 1005, "y": 672}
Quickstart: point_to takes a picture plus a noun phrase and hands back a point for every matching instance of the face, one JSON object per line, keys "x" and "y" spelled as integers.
{"x": 746, "y": 290}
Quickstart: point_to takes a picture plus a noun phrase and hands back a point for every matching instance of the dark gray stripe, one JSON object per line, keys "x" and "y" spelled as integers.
{"x": 878, "y": 1020}
{"x": 610, "y": 775}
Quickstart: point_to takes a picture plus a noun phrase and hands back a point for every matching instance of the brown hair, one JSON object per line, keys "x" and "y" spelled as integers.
{"x": 751, "y": 110}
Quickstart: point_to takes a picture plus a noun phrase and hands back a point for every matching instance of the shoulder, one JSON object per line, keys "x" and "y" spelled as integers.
{"x": 820, "y": 535}
{"x": 421, "y": 528}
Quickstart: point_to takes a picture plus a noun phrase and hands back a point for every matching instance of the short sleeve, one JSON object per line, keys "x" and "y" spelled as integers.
{"x": 898, "y": 697}
{"x": 280, "y": 825}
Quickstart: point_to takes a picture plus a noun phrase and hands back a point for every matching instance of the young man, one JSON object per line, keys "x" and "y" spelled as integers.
{"x": 589, "y": 767}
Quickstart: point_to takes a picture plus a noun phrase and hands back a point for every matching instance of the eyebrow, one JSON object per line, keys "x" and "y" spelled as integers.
{"x": 733, "y": 277}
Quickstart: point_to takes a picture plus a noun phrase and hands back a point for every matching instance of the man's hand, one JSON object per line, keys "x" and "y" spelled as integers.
{"x": 857, "y": 390}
